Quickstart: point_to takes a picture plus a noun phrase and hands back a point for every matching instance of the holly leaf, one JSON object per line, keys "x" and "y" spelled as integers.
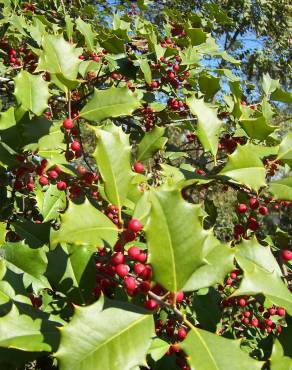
{"x": 151, "y": 142}
{"x": 219, "y": 262}
{"x": 281, "y": 189}
{"x": 259, "y": 254}
{"x": 245, "y": 167}
{"x": 258, "y": 280}
{"x": 112, "y": 102}
{"x": 31, "y": 262}
{"x": 115, "y": 336}
{"x": 86, "y": 30}
{"x": 158, "y": 348}
{"x": 32, "y": 92}
{"x": 50, "y": 202}
{"x": 83, "y": 224}
{"x": 113, "y": 155}
{"x": 206, "y": 350}
{"x": 72, "y": 270}
{"x": 285, "y": 150}
{"x": 145, "y": 68}
{"x": 22, "y": 332}
{"x": 59, "y": 57}
{"x": 278, "y": 361}
{"x": 257, "y": 128}
{"x": 7, "y": 119}
{"x": 173, "y": 231}
{"x": 209, "y": 125}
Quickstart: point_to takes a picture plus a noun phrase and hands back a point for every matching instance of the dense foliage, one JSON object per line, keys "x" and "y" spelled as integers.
{"x": 115, "y": 136}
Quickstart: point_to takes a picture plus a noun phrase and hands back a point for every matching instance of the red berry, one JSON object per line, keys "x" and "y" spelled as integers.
{"x": 239, "y": 229}
{"x": 179, "y": 297}
{"x": 154, "y": 84}
{"x": 139, "y": 167}
{"x": 139, "y": 268}
{"x": 130, "y": 283}
{"x": 181, "y": 334}
{"x": 142, "y": 257}
{"x": 272, "y": 311}
{"x": 44, "y": 163}
{"x": 133, "y": 252}
{"x": 263, "y": 210}
{"x": 253, "y": 224}
{"x": 286, "y": 255}
{"x": 254, "y": 203}
{"x": 255, "y": 322}
{"x": 68, "y": 123}
{"x": 122, "y": 270}
{"x": 242, "y": 208}
{"x": 134, "y": 225}
{"x": 144, "y": 286}
{"x": 75, "y": 146}
{"x": 233, "y": 275}
{"x": 242, "y": 302}
{"x": 151, "y": 304}
{"x": 43, "y": 181}
{"x": 246, "y": 313}
{"x": 61, "y": 185}
{"x": 118, "y": 258}
{"x": 53, "y": 174}
{"x": 281, "y": 311}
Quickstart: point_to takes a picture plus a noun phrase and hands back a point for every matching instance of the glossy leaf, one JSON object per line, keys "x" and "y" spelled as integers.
{"x": 7, "y": 119}
{"x": 206, "y": 350}
{"x": 59, "y": 57}
{"x": 22, "y": 332}
{"x": 209, "y": 125}
{"x": 174, "y": 230}
{"x": 84, "y": 225}
{"x": 245, "y": 167}
{"x": 113, "y": 155}
{"x": 285, "y": 150}
{"x": 50, "y": 202}
{"x": 112, "y": 102}
{"x": 151, "y": 142}
{"x": 219, "y": 262}
{"x": 278, "y": 360}
{"x": 257, "y": 128}
{"x": 31, "y": 262}
{"x": 258, "y": 280}
{"x": 32, "y": 92}
{"x": 71, "y": 270}
{"x": 86, "y": 30}
{"x": 281, "y": 189}
{"x": 88, "y": 341}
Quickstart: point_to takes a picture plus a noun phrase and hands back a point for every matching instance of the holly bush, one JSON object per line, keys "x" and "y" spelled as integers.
{"x": 115, "y": 136}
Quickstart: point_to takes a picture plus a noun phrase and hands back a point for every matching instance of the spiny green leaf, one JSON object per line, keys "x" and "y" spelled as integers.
{"x": 113, "y": 155}
{"x": 151, "y": 142}
{"x": 32, "y": 92}
{"x": 86, "y": 30}
{"x": 174, "y": 230}
{"x": 245, "y": 167}
{"x": 258, "y": 280}
{"x": 31, "y": 262}
{"x": 112, "y": 102}
{"x": 257, "y": 128}
{"x": 278, "y": 360}
{"x": 59, "y": 57}
{"x": 50, "y": 202}
{"x": 115, "y": 338}
{"x": 84, "y": 225}
{"x": 206, "y": 350}
{"x": 209, "y": 124}
{"x": 282, "y": 189}
{"x": 285, "y": 150}
{"x": 22, "y": 332}
{"x": 71, "y": 270}
{"x": 7, "y": 119}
